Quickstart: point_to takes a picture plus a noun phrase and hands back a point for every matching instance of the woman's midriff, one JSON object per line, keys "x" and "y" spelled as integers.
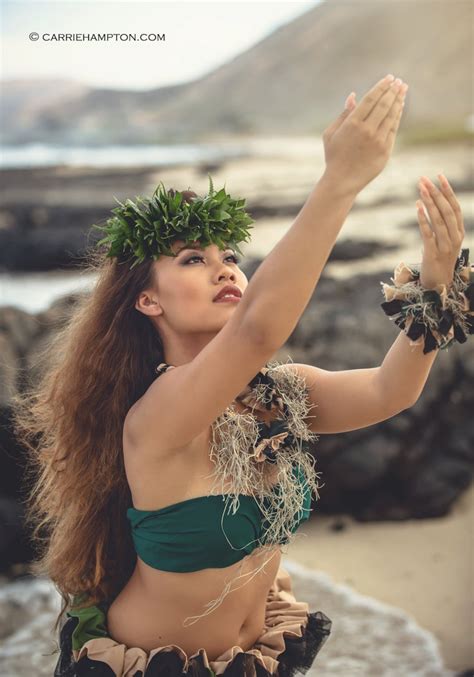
{"x": 150, "y": 610}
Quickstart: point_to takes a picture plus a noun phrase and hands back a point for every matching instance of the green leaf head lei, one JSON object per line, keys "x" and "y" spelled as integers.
{"x": 147, "y": 227}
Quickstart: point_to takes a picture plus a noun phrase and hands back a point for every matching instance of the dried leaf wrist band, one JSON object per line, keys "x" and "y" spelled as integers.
{"x": 436, "y": 317}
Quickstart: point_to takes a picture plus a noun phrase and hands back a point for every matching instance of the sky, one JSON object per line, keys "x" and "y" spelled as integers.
{"x": 199, "y": 36}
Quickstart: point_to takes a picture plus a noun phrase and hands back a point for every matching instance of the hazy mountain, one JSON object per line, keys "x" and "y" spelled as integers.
{"x": 294, "y": 81}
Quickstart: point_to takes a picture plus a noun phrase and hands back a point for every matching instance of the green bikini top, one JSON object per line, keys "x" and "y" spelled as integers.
{"x": 197, "y": 533}
{"x": 188, "y": 536}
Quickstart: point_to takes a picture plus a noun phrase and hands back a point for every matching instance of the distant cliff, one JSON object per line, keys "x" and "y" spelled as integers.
{"x": 293, "y": 81}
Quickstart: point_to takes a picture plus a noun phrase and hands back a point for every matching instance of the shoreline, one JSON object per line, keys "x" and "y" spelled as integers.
{"x": 421, "y": 566}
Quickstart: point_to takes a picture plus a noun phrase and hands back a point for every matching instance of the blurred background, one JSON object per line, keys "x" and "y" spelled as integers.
{"x": 244, "y": 90}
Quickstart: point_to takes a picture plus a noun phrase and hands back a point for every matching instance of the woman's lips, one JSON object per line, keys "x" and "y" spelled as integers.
{"x": 226, "y": 299}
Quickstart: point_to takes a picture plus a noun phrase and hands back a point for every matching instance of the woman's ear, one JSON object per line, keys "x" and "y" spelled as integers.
{"x": 146, "y": 305}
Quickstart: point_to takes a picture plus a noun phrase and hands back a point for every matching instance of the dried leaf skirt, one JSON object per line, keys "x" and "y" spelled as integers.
{"x": 291, "y": 640}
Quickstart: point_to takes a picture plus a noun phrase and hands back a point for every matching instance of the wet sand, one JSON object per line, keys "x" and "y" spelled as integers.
{"x": 425, "y": 567}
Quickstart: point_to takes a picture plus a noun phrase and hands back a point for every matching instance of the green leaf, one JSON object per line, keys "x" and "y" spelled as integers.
{"x": 147, "y": 227}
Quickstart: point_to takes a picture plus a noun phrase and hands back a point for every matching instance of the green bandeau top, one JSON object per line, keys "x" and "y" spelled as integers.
{"x": 188, "y": 536}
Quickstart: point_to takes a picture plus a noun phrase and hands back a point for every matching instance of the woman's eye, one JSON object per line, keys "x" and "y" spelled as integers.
{"x": 231, "y": 256}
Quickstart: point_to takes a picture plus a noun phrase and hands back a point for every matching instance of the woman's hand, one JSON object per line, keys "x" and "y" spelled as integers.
{"x": 358, "y": 144}
{"x": 442, "y": 234}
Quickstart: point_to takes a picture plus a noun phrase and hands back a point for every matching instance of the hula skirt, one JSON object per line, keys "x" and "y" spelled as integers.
{"x": 291, "y": 639}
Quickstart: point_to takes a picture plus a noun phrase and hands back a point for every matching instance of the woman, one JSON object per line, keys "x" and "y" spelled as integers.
{"x": 160, "y": 382}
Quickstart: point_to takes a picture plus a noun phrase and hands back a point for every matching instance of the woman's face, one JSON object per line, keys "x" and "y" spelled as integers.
{"x": 186, "y": 285}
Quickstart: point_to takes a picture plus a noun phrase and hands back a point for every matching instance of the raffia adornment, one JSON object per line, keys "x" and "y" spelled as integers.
{"x": 436, "y": 317}
{"x": 238, "y": 444}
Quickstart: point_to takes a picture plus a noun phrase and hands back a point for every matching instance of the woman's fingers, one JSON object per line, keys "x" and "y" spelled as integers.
{"x": 386, "y": 107}
{"x": 425, "y": 229}
{"x": 370, "y": 99}
{"x": 449, "y": 194}
{"x": 442, "y": 216}
{"x": 350, "y": 103}
{"x": 389, "y": 126}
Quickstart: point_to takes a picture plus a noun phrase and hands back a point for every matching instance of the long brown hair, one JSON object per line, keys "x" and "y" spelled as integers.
{"x": 70, "y": 423}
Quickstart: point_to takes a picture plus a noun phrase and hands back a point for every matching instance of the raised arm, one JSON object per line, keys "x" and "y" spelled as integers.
{"x": 357, "y": 398}
{"x": 184, "y": 401}
{"x": 356, "y": 151}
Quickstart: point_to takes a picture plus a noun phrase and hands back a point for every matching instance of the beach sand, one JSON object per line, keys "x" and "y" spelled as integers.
{"x": 424, "y": 567}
